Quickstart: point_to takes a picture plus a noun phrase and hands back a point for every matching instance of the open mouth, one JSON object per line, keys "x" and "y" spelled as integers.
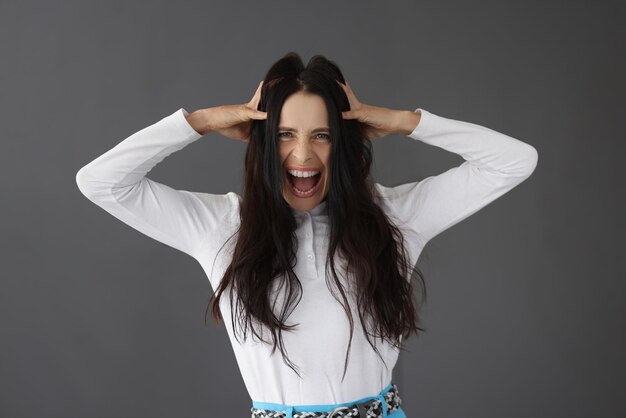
{"x": 303, "y": 186}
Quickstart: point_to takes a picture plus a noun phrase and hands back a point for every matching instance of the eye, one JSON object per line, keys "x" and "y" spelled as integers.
{"x": 325, "y": 137}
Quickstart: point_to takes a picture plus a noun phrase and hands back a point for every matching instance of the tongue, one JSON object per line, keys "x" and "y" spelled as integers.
{"x": 304, "y": 183}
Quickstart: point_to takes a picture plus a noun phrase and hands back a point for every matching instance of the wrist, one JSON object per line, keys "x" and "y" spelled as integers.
{"x": 199, "y": 121}
{"x": 407, "y": 121}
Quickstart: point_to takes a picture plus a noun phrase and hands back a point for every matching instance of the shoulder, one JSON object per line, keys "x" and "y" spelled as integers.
{"x": 401, "y": 205}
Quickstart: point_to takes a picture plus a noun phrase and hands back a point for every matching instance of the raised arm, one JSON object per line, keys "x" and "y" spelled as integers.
{"x": 494, "y": 164}
{"x": 116, "y": 181}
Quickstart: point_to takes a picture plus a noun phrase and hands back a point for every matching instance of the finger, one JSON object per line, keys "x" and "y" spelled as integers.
{"x": 349, "y": 89}
{"x": 257, "y": 95}
{"x": 344, "y": 86}
{"x": 350, "y": 114}
{"x": 352, "y": 99}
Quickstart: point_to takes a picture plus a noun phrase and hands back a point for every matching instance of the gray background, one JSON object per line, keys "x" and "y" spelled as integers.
{"x": 526, "y": 307}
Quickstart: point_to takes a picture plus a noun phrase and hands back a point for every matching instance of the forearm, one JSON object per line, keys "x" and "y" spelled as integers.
{"x": 130, "y": 160}
{"x": 497, "y": 153}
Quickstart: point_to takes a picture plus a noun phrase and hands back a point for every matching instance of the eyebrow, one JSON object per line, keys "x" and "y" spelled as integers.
{"x": 286, "y": 128}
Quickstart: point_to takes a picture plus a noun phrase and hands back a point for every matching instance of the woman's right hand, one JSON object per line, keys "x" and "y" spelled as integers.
{"x": 235, "y": 121}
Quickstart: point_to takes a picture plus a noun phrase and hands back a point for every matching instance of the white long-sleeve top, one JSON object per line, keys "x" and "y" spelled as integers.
{"x": 198, "y": 223}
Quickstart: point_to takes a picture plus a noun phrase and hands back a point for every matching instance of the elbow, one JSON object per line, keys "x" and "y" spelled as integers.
{"x": 531, "y": 159}
{"x": 523, "y": 163}
{"x": 83, "y": 182}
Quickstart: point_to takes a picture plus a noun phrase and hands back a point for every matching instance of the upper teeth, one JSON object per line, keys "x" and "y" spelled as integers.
{"x": 302, "y": 173}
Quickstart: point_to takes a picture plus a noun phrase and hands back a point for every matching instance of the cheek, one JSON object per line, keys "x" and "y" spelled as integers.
{"x": 283, "y": 152}
{"x": 326, "y": 159}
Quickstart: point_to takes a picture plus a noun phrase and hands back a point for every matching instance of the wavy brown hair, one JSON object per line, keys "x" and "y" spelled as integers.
{"x": 372, "y": 248}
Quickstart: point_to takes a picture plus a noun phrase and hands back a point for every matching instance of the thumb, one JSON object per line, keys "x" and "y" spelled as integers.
{"x": 257, "y": 114}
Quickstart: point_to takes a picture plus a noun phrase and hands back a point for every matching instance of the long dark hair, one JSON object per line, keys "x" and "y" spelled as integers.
{"x": 372, "y": 249}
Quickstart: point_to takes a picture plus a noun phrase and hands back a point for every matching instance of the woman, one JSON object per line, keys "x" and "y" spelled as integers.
{"x": 314, "y": 244}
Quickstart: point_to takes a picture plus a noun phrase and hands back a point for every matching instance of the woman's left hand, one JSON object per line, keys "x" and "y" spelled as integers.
{"x": 378, "y": 121}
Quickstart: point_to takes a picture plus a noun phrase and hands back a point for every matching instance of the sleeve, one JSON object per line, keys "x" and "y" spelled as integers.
{"x": 116, "y": 181}
{"x": 494, "y": 164}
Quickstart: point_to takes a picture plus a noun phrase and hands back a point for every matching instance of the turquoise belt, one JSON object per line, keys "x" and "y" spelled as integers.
{"x": 386, "y": 402}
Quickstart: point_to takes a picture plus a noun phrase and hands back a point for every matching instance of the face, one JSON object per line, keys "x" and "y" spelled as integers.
{"x": 304, "y": 144}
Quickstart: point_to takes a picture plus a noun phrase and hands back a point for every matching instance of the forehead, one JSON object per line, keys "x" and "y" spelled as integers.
{"x": 304, "y": 111}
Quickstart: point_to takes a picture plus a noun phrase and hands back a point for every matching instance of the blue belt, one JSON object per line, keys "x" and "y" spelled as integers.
{"x": 379, "y": 406}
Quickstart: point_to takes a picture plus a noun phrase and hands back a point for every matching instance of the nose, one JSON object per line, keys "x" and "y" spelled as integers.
{"x": 302, "y": 152}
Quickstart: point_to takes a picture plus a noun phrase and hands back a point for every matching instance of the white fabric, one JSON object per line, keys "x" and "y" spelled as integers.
{"x": 198, "y": 223}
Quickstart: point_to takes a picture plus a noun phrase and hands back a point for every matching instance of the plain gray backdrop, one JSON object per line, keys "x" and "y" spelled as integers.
{"x": 526, "y": 311}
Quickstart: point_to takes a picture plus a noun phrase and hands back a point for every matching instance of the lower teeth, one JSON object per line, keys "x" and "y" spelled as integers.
{"x": 304, "y": 192}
